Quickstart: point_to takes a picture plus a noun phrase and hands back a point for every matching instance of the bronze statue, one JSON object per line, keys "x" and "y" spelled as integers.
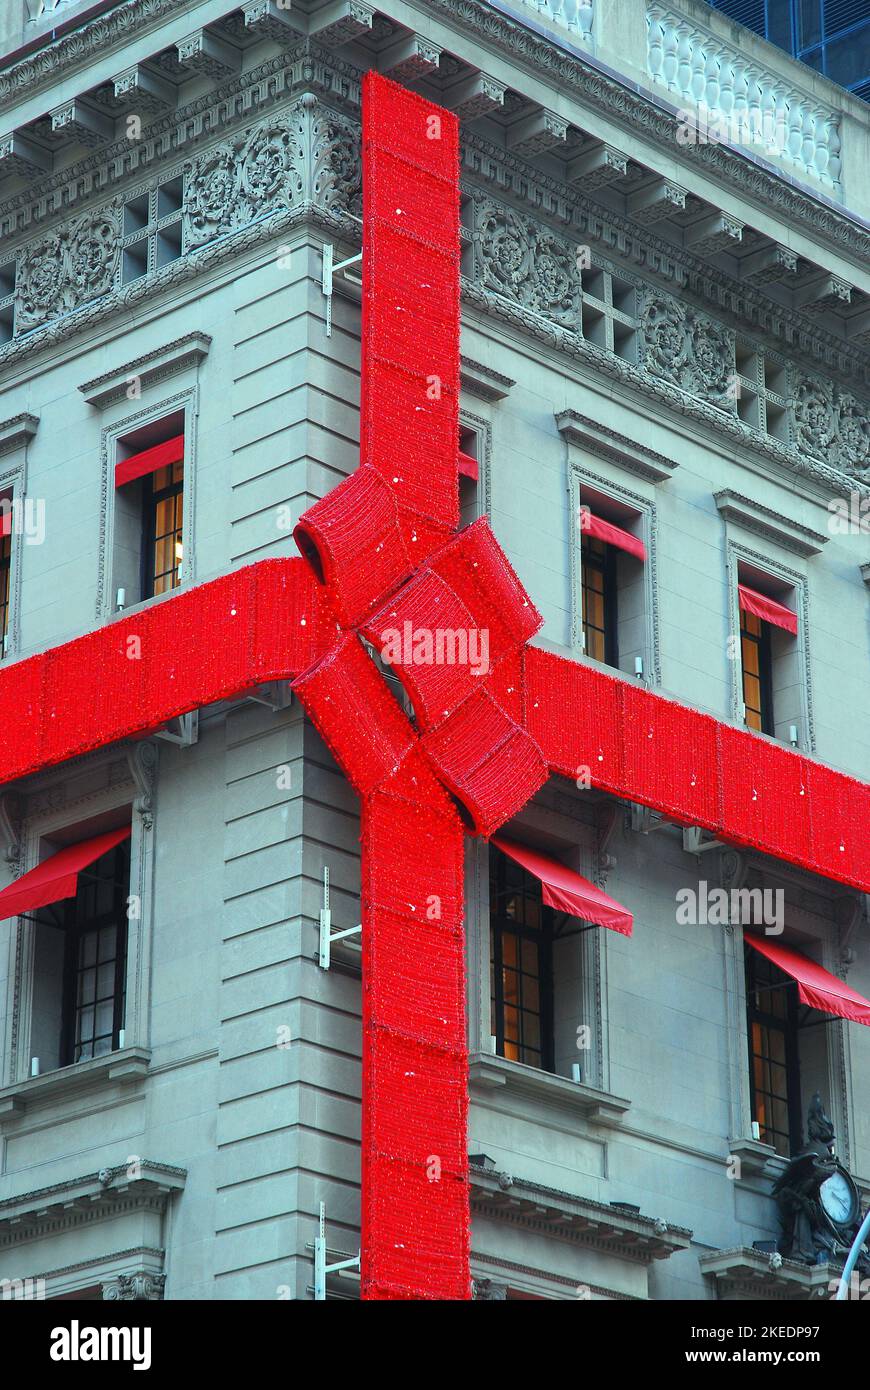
{"x": 818, "y": 1202}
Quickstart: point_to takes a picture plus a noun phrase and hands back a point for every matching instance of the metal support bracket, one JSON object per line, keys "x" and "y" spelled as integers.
{"x": 275, "y": 695}
{"x": 695, "y": 843}
{"x": 327, "y": 935}
{"x": 644, "y": 821}
{"x": 183, "y": 731}
{"x": 321, "y": 1268}
{"x": 331, "y": 268}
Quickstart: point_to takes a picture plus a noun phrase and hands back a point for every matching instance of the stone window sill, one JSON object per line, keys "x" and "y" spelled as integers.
{"x": 488, "y": 1072}
{"x": 124, "y": 1068}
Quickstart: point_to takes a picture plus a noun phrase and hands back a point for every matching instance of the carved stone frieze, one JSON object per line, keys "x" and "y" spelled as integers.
{"x": 74, "y": 265}
{"x": 830, "y": 423}
{"x": 686, "y": 348}
{"x": 259, "y": 171}
{"x": 528, "y": 262}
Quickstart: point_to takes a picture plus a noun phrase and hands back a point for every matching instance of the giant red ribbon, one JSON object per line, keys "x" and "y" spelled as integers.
{"x": 382, "y": 557}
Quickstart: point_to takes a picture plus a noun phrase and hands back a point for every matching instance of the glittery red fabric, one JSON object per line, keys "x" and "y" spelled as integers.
{"x": 379, "y": 552}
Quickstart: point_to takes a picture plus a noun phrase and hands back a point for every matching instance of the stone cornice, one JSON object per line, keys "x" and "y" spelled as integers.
{"x": 17, "y": 431}
{"x": 740, "y": 435}
{"x": 763, "y": 521}
{"x": 609, "y": 444}
{"x": 563, "y": 1216}
{"x": 78, "y": 48}
{"x": 154, "y": 366}
{"x": 642, "y": 249}
{"x": 639, "y": 112}
{"x": 749, "y": 1273}
{"x": 91, "y": 1197}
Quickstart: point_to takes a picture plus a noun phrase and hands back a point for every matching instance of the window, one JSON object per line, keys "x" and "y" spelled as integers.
{"x": 609, "y": 312}
{"x": 774, "y": 1070}
{"x": 7, "y": 301}
{"x": 469, "y": 466}
{"x": 598, "y": 570}
{"x": 149, "y": 516}
{"x": 521, "y": 965}
{"x": 163, "y": 549}
{"x": 80, "y": 960}
{"x": 152, "y": 230}
{"x": 757, "y": 678}
{"x": 770, "y": 655}
{"x": 5, "y": 570}
{"x": 762, "y": 390}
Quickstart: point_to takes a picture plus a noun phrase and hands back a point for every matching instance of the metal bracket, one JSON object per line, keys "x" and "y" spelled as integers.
{"x": 321, "y": 1268}
{"x": 331, "y": 268}
{"x": 327, "y": 935}
{"x": 275, "y": 695}
{"x": 644, "y": 821}
{"x": 694, "y": 842}
{"x": 183, "y": 731}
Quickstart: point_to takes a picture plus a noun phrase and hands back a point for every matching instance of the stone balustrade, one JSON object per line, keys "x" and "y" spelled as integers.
{"x": 733, "y": 99}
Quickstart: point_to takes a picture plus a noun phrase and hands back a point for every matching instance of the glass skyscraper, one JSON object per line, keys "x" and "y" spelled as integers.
{"x": 832, "y": 36}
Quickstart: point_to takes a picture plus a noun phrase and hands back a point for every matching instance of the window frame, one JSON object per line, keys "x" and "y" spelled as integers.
{"x": 580, "y": 480}
{"x": 151, "y": 502}
{"x": 184, "y": 402}
{"x": 602, "y": 560}
{"x": 738, "y": 556}
{"x": 543, "y": 937}
{"x": 74, "y": 933}
{"x": 761, "y": 641}
{"x": 753, "y": 965}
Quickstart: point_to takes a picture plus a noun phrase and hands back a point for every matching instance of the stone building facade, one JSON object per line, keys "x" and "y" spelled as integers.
{"x": 665, "y": 316}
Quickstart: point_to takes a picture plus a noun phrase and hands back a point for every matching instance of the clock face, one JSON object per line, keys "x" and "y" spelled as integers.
{"x": 838, "y": 1199}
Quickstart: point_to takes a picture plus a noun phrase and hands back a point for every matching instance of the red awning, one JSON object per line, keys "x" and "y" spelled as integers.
{"x": 57, "y": 877}
{"x": 767, "y": 609}
{"x": 816, "y": 986}
{"x": 149, "y": 460}
{"x": 468, "y": 465}
{"x": 567, "y": 891}
{"x": 613, "y": 535}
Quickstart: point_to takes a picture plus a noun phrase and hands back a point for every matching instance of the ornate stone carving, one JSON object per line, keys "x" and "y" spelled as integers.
{"x": 142, "y": 1287}
{"x": 831, "y": 424}
{"x": 526, "y": 261}
{"x": 336, "y": 174}
{"x": 75, "y": 265}
{"x": 487, "y": 1291}
{"x": 686, "y": 348}
{"x": 228, "y": 187}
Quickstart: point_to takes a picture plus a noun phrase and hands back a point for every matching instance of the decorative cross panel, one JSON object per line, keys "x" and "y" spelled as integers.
{"x": 381, "y": 551}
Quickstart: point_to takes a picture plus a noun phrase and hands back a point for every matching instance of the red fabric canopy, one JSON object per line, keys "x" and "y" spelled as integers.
{"x": 149, "y": 460}
{"x": 767, "y": 609}
{"x": 567, "y": 891}
{"x": 57, "y": 877}
{"x": 468, "y": 465}
{"x": 816, "y": 986}
{"x": 613, "y": 535}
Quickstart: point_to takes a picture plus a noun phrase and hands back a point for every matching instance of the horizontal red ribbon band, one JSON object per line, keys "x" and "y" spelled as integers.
{"x": 817, "y": 987}
{"x": 593, "y": 525}
{"x": 149, "y": 460}
{"x": 767, "y": 609}
{"x": 468, "y": 466}
{"x": 565, "y": 890}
